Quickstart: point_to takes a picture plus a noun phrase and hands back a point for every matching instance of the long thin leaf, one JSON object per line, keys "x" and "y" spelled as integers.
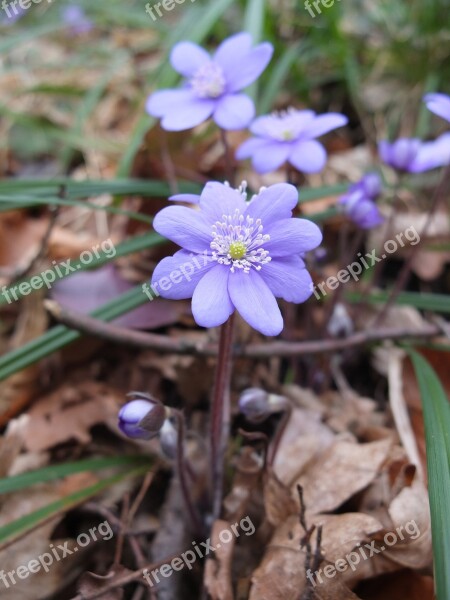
{"x": 436, "y": 412}
{"x": 19, "y": 527}
{"x": 25, "y": 480}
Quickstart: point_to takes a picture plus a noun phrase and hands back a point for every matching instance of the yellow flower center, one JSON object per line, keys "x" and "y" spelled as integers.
{"x": 237, "y": 250}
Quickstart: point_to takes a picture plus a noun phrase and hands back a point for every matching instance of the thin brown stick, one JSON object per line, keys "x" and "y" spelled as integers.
{"x": 220, "y": 414}
{"x": 126, "y": 579}
{"x": 229, "y": 172}
{"x": 138, "y": 339}
{"x": 406, "y": 270}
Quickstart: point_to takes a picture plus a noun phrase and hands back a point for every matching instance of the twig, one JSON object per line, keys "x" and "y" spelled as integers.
{"x": 121, "y": 535}
{"x": 125, "y": 580}
{"x": 168, "y": 164}
{"x": 181, "y": 471}
{"x": 138, "y": 339}
{"x": 220, "y": 414}
{"x": 229, "y": 173}
{"x": 404, "y": 273}
{"x": 20, "y": 273}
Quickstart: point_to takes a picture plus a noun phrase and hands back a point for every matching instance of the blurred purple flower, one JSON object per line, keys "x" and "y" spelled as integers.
{"x": 439, "y": 104}
{"x": 12, "y": 15}
{"x": 237, "y": 255}
{"x": 359, "y": 202}
{"x": 142, "y": 418}
{"x": 74, "y": 16}
{"x": 371, "y": 185}
{"x": 212, "y": 84}
{"x": 411, "y": 155}
{"x": 289, "y": 136}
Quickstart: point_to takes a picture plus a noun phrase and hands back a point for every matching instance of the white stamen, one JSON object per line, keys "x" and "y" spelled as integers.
{"x": 208, "y": 81}
{"x": 237, "y": 229}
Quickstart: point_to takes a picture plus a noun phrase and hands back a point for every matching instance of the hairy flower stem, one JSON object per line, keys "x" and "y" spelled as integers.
{"x": 229, "y": 171}
{"x": 183, "y": 471}
{"x": 220, "y": 415}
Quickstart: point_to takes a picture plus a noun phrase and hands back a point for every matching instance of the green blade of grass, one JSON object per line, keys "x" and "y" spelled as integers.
{"x": 19, "y": 527}
{"x": 254, "y": 24}
{"x": 25, "y": 480}
{"x": 136, "y": 244}
{"x": 436, "y": 413}
{"x": 433, "y": 302}
{"x": 59, "y": 336}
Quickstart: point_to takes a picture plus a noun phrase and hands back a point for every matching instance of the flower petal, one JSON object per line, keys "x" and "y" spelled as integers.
{"x": 308, "y": 157}
{"x": 432, "y": 155}
{"x": 187, "y": 57}
{"x": 288, "y": 279}
{"x": 189, "y": 114}
{"x": 231, "y": 52}
{"x": 177, "y": 276}
{"x": 273, "y": 203}
{"x": 323, "y": 124}
{"x": 249, "y": 67}
{"x": 163, "y": 101}
{"x": 249, "y": 147}
{"x": 439, "y": 104}
{"x": 271, "y": 157}
{"x": 255, "y": 302}
{"x": 184, "y": 226}
{"x": 191, "y": 198}
{"x": 292, "y": 236}
{"x": 234, "y": 111}
{"x": 218, "y": 199}
{"x": 211, "y": 304}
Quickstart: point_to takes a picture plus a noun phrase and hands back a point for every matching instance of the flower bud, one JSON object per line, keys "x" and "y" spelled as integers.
{"x": 142, "y": 418}
{"x": 256, "y": 404}
{"x": 168, "y": 437}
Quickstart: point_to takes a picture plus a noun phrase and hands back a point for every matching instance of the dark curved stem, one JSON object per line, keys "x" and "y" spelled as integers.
{"x": 220, "y": 414}
{"x": 183, "y": 473}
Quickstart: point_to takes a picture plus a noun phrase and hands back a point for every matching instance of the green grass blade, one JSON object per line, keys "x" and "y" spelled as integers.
{"x": 19, "y": 527}
{"x": 59, "y": 336}
{"x": 436, "y": 413}
{"x": 25, "y": 480}
{"x": 136, "y": 244}
{"x": 254, "y": 24}
{"x": 433, "y": 302}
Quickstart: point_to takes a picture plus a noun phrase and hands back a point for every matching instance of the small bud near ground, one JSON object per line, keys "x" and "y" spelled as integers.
{"x": 257, "y": 405}
{"x": 142, "y": 418}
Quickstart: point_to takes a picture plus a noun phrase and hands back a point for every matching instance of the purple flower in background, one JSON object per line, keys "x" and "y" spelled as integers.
{"x": 237, "y": 255}
{"x": 12, "y": 14}
{"x": 142, "y": 418}
{"x": 439, "y": 104}
{"x": 414, "y": 156}
{"x": 289, "y": 136}
{"x": 359, "y": 202}
{"x": 213, "y": 84}
{"x": 75, "y": 17}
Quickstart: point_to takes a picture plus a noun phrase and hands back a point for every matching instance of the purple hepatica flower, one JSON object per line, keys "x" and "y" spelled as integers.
{"x": 75, "y": 17}
{"x": 289, "y": 136}
{"x": 237, "y": 255}
{"x": 12, "y": 15}
{"x": 439, "y": 104}
{"x": 414, "y": 156}
{"x": 359, "y": 203}
{"x": 212, "y": 84}
{"x": 142, "y": 418}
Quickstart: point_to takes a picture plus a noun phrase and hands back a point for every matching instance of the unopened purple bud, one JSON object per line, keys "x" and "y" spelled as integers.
{"x": 168, "y": 437}
{"x": 142, "y": 418}
{"x": 371, "y": 184}
{"x": 257, "y": 405}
